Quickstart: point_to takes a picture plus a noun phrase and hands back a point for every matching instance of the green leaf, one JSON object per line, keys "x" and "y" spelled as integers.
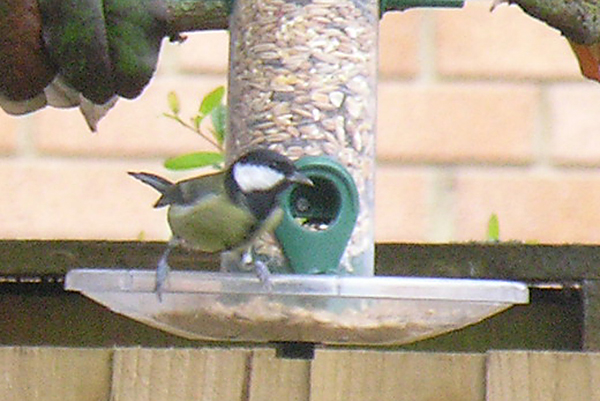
{"x": 212, "y": 100}
{"x": 219, "y": 121}
{"x": 194, "y": 160}
{"x": 173, "y": 101}
{"x": 493, "y": 229}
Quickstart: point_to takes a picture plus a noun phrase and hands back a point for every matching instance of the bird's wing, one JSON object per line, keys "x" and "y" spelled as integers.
{"x": 194, "y": 190}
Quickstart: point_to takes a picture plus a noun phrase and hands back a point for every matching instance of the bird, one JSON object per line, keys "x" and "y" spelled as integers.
{"x": 227, "y": 210}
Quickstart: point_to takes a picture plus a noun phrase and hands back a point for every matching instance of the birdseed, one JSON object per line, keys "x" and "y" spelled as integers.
{"x": 303, "y": 82}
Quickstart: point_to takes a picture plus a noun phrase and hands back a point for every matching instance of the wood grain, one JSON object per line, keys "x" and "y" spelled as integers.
{"x": 541, "y": 376}
{"x": 209, "y": 374}
{"x": 399, "y": 376}
{"x": 278, "y": 379}
{"x": 54, "y": 374}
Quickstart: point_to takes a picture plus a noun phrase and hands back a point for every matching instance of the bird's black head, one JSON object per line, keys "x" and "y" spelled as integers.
{"x": 258, "y": 177}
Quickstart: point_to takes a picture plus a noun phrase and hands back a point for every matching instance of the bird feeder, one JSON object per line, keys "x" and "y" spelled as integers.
{"x": 303, "y": 82}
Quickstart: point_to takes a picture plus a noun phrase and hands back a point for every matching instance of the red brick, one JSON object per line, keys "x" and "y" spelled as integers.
{"x": 168, "y": 59}
{"x": 543, "y": 207}
{"x": 131, "y": 128}
{"x": 575, "y": 123}
{"x": 8, "y": 132}
{"x": 77, "y": 200}
{"x": 506, "y": 43}
{"x": 401, "y": 204}
{"x": 204, "y": 52}
{"x": 456, "y": 123}
{"x": 399, "y": 34}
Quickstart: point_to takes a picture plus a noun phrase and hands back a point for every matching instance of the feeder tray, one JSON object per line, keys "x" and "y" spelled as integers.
{"x": 301, "y": 308}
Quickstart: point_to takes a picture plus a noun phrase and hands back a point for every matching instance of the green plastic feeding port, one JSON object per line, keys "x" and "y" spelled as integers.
{"x": 318, "y": 220}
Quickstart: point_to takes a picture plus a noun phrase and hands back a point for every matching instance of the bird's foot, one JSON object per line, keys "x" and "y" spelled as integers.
{"x": 263, "y": 274}
{"x": 260, "y": 269}
{"x": 162, "y": 273}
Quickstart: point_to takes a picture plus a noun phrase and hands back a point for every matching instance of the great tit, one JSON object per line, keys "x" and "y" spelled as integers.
{"x": 227, "y": 210}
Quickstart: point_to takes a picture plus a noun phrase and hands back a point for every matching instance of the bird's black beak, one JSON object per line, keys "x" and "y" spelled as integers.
{"x": 299, "y": 178}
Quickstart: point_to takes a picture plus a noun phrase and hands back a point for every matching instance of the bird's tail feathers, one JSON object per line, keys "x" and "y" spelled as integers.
{"x": 162, "y": 185}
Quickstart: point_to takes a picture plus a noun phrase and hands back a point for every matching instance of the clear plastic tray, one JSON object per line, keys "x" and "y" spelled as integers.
{"x": 320, "y": 309}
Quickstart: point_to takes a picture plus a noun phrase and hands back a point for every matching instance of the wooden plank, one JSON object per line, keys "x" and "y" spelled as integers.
{"x": 56, "y": 257}
{"x": 358, "y": 375}
{"x": 209, "y": 374}
{"x": 542, "y": 376}
{"x": 507, "y": 260}
{"x": 278, "y": 379}
{"x": 54, "y": 374}
{"x": 591, "y": 315}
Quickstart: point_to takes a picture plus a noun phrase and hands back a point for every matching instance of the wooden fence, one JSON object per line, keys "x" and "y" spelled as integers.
{"x": 256, "y": 374}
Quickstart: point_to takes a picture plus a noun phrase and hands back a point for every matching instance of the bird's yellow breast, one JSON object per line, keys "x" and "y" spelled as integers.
{"x": 215, "y": 225}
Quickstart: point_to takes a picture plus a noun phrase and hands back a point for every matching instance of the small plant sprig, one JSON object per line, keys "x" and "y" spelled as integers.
{"x": 493, "y": 228}
{"x": 211, "y": 106}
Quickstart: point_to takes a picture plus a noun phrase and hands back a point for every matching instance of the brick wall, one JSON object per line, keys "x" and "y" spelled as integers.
{"x": 479, "y": 113}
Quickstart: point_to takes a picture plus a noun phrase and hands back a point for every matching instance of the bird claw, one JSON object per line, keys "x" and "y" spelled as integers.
{"x": 162, "y": 273}
{"x": 263, "y": 274}
{"x": 260, "y": 269}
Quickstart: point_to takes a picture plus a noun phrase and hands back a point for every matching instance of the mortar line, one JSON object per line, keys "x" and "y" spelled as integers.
{"x": 441, "y": 208}
{"x": 427, "y": 49}
{"x": 542, "y": 136}
{"x": 25, "y": 148}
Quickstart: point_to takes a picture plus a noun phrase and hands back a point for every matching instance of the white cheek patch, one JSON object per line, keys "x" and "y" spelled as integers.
{"x": 251, "y": 177}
